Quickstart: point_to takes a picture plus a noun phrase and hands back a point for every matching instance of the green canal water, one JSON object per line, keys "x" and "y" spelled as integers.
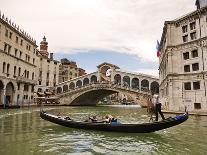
{"x": 23, "y": 132}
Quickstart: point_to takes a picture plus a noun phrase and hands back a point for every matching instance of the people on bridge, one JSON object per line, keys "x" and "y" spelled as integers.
{"x": 158, "y": 106}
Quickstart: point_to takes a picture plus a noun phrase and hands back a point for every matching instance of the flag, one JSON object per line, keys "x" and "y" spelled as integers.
{"x": 158, "y": 49}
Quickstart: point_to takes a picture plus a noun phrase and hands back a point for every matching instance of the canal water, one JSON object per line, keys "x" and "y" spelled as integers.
{"x": 23, "y": 132}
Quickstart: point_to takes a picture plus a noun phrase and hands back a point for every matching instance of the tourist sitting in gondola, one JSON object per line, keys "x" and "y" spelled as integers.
{"x": 67, "y": 118}
{"x": 93, "y": 119}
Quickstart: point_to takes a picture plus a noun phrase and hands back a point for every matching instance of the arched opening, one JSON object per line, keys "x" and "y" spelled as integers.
{"x": 117, "y": 79}
{"x": 154, "y": 88}
{"x": 59, "y": 90}
{"x": 85, "y": 81}
{"x": 145, "y": 85}
{"x": 1, "y": 92}
{"x": 8, "y": 67}
{"x": 65, "y": 88}
{"x": 72, "y": 86}
{"x": 135, "y": 83}
{"x": 93, "y": 79}
{"x": 9, "y": 93}
{"x": 79, "y": 84}
{"x": 19, "y": 72}
{"x": 126, "y": 81}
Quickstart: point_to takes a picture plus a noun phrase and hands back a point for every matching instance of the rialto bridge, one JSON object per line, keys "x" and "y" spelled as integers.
{"x": 107, "y": 80}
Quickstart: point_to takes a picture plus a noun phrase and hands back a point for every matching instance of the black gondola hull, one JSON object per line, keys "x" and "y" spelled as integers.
{"x": 129, "y": 128}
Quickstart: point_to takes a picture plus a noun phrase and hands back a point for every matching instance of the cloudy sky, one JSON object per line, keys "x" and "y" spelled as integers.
{"x": 122, "y": 32}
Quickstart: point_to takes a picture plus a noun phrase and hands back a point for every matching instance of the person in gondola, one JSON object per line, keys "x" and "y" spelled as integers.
{"x": 158, "y": 106}
{"x": 93, "y": 119}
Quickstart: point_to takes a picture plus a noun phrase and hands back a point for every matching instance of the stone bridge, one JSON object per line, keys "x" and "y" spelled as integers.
{"x": 109, "y": 79}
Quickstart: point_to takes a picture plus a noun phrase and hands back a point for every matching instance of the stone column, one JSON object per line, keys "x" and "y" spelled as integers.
{"x": 4, "y": 96}
{"x": 140, "y": 80}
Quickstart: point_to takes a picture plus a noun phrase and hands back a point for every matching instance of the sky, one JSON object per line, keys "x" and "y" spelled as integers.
{"x": 90, "y": 32}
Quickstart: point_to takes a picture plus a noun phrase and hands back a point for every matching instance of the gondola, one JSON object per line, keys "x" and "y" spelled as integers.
{"x": 128, "y": 128}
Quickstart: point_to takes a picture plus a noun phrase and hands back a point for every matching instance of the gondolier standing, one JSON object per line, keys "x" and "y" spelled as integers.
{"x": 158, "y": 106}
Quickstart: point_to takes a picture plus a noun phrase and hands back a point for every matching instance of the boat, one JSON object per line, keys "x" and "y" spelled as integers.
{"x": 116, "y": 127}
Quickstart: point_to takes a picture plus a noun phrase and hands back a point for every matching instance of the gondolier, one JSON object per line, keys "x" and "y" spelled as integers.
{"x": 158, "y": 106}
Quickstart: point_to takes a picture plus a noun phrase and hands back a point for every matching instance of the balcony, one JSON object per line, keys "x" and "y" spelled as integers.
{"x": 21, "y": 79}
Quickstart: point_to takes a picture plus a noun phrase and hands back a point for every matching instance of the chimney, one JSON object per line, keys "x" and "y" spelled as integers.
{"x": 51, "y": 56}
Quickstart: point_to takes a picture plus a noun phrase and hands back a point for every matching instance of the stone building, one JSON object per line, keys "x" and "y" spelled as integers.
{"x": 47, "y": 68}
{"x": 17, "y": 63}
{"x": 183, "y": 61}
{"x": 69, "y": 70}
{"x": 23, "y": 69}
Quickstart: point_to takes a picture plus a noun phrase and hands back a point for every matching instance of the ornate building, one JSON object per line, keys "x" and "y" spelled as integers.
{"x": 183, "y": 61}
{"x": 69, "y": 70}
{"x": 23, "y": 69}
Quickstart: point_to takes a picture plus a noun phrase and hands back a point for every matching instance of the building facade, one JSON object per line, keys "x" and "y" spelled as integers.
{"x": 183, "y": 61}
{"x": 23, "y": 68}
{"x": 69, "y": 70}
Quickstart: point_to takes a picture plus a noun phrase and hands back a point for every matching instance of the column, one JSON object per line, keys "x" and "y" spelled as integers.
{"x": 4, "y": 97}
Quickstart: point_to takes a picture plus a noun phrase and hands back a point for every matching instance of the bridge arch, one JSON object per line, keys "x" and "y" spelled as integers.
{"x": 72, "y": 86}
{"x": 126, "y": 81}
{"x": 117, "y": 79}
{"x": 93, "y": 79}
{"x": 65, "y": 88}
{"x": 59, "y": 90}
{"x": 135, "y": 83}
{"x": 79, "y": 84}
{"x": 85, "y": 81}
{"x": 145, "y": 85}
{"x": 154, "y": 87}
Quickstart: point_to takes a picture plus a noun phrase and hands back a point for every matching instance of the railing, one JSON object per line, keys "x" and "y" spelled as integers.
{"x": 102, "y": 86}
{"x": 22, "y": 79}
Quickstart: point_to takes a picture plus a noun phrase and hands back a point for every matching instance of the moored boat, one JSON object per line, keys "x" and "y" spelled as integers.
{"x": 113, "y": 127}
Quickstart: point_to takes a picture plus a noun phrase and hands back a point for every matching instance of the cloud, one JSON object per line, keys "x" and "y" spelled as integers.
{"x": 126, "y": 26}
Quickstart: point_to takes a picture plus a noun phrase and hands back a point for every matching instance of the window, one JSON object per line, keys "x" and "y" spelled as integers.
{"x": 26, "y": 87}
{"x": 193, "y": 36}
{"x": 6, "y": 33}
{"x": 187, "y": 68}
{"x": 192, "y": 25}
{"x": 47, "y": 75}
{"x": 185, "y": 38}
{"x": 21, "y": 43}
{"x": 8, "y": 66}
{"x": 195, "y": 66}
{"x": 71, "y": 73}
{"x": 33, "y": 60}
{"x": 15, "y": 52}
{"x": 18, "y": 86}
{"x": 4, "y": 66}
{"x": 186, "y": 55}
{"x": 185, "y": 28}
{"x": 19, "y": 72}
{"x": 20, "y": 54}
{"x": 187, "y": 86}
{"x": 194, "y": 53}
{"x": 40, "y": 82}
{"x": 32, "y": 90}
{"x": 33, "y": 76}
{"x": 17, "y": 39}
{"x": 28, "y": 58}
{"x": 196, "y": 85}
{"x": 15, "y": 68}
{"x": 10, "y": 35}
{"x": 9, "y": 49}
{"x": 197, "y": 105}
{"x": 47, "y": 83}
{"x": 5, "y": 47}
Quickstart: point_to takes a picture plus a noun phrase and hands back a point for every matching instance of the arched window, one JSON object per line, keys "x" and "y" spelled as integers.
{"x": 33, "y": 76}
{"x": 85, "y": 81}
{"x": 72, "y": 85}
{"x": 8, "y": 67}
{"x": 4, "y": 67}
{"x": 126, "y": 81}
{"x": 59, "y": 90}
{"x": 15, "y": 68}
{"x": 93, "y": 79}
{"x": 145, "y": 85}
{"x": 117, "y": 79}
{"x": 19, "y": 72}
{"x": 154, "y": 88}
{"x": 79, "y": 83}
{"x": 135, "y": 83}
{"x": 65, "y": 88}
